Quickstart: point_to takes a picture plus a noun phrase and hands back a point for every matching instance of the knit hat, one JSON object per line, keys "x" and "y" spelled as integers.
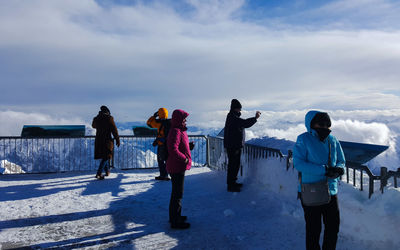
{"x": 321, "y": 118}
{"x": 163, "y": 113}
{"x": 235, "y": 104}
{"x": 105, "y": 109}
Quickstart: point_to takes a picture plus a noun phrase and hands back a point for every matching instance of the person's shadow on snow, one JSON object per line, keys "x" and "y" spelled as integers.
{"x": 133, "y": 216}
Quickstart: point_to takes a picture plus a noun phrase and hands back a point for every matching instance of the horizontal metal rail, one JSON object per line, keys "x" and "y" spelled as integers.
{"x": 62, "y": 154}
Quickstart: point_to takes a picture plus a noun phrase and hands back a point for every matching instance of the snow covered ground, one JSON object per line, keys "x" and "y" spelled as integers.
{"x": 129, "y": 210}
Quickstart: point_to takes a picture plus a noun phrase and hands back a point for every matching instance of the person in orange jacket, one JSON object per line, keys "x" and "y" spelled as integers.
{"x": 163, "y": 125}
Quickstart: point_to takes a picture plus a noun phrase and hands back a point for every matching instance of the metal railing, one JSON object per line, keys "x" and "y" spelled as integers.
{"x": 218, "y": 159}
{"x": 62, "y": 154}
{"x": 384, "y": 176}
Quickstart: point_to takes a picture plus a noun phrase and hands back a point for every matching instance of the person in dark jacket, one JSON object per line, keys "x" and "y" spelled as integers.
{"x": 179, "y": 160}
{"x": 163, "y": 125}
{"x": 318, "y": 156}
{"x": 234, "y": 137}
{"x": 104, "y": 144}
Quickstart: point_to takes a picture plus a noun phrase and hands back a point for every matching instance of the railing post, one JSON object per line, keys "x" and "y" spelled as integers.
{"x": 208, "y": 151}
{"x": 347, "y": 174}
{"x": 361, "y": 180}
{"x": 383, "y": 178}
{"x": 371, "y": 186}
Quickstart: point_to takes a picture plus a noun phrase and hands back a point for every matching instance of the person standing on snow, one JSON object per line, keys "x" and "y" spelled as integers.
{"x": 104, "y": 144}
{"x": 234, "y": 138}
{"x": 311, "y": 158}
{"x": 163, "y": 125}
{"x": 179, "y": 160}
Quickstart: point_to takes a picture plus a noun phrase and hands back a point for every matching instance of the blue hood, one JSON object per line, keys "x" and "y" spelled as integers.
{"x": 309, "y": 116}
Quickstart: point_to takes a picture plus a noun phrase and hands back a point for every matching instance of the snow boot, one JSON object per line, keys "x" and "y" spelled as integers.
{"x": 161, "y": 178}
{"x": 99, "y": 176}
{"x": 180, "y": 225}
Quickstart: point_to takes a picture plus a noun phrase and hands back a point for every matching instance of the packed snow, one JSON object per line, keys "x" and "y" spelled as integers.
{"x": 7, "y": 167}
{"x": 129, "y": 210}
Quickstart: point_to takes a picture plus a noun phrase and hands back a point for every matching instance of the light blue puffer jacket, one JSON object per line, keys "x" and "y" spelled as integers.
{"x": 310, "y": 155}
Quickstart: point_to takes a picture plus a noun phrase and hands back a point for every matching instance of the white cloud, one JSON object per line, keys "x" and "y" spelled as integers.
{"x": 210, "y": 11}
{"x": 60, "y": 53}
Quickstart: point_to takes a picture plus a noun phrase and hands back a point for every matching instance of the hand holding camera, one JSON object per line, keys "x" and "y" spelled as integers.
{"x": 258, "y": 114}
{"x": 155, "y": 114}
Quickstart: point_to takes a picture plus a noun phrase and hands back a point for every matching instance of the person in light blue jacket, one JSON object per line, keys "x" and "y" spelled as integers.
{"x": 310, "y": 158}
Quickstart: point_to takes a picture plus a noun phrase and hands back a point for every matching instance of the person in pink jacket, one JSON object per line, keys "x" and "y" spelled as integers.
{"x": 179, "y": 160}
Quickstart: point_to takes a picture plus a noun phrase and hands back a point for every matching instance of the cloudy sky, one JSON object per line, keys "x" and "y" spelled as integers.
{"x": 60, "y": 60}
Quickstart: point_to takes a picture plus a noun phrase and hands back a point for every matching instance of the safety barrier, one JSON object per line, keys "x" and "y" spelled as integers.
{"x": 365, "y": 172}
{"x": 62, "y": 154}
{"x": 218, "y": 159}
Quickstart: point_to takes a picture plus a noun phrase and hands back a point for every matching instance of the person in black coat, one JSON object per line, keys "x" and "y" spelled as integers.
{"x": 104, "y": 144}
{"x": 234, "y": 137}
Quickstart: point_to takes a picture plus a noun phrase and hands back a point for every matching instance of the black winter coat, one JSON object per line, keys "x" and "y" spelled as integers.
{"x": 104, "y": 144}
{"x": 234, "y": 129}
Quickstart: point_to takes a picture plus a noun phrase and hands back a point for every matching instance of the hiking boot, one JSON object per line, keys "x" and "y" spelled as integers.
{"x": 233, "y": 189}
{"x": 180, "y": 225}
{"x": 183, "y": 218}
{"x": 99, "y": 177}
{"x": 161, "y": 178}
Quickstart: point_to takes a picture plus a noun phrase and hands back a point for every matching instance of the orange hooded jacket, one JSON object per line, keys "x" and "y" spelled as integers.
{"x": 155, "y": 123}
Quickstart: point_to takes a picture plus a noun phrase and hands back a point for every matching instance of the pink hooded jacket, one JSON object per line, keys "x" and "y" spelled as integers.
{"x": 178, "y": 144}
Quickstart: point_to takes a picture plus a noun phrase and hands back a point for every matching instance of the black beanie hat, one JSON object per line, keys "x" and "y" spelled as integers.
{"x": 235, "y": 104}
{"x": 321, "y": 118}
{"x": 105, "y": 109}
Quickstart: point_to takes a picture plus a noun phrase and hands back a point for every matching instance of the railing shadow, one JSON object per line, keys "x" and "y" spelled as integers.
{"x": 130, "y": 214}
{"x": 21, "y": 192}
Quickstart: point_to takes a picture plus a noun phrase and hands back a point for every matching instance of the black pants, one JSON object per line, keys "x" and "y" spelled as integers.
{"x": 233, "y": 165}
{"x": 331, "y": 218}
{"x": 175, "y": 204}
{"x": 161, "y": 159}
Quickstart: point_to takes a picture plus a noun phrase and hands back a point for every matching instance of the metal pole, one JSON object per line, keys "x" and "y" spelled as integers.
{"x": 361, "y": 180}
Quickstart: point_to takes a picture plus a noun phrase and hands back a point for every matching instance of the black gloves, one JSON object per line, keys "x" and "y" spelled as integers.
{"x": 334, "y": 172}
{"x": 191, "y": 145}
{"x": 155, "y": 114}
